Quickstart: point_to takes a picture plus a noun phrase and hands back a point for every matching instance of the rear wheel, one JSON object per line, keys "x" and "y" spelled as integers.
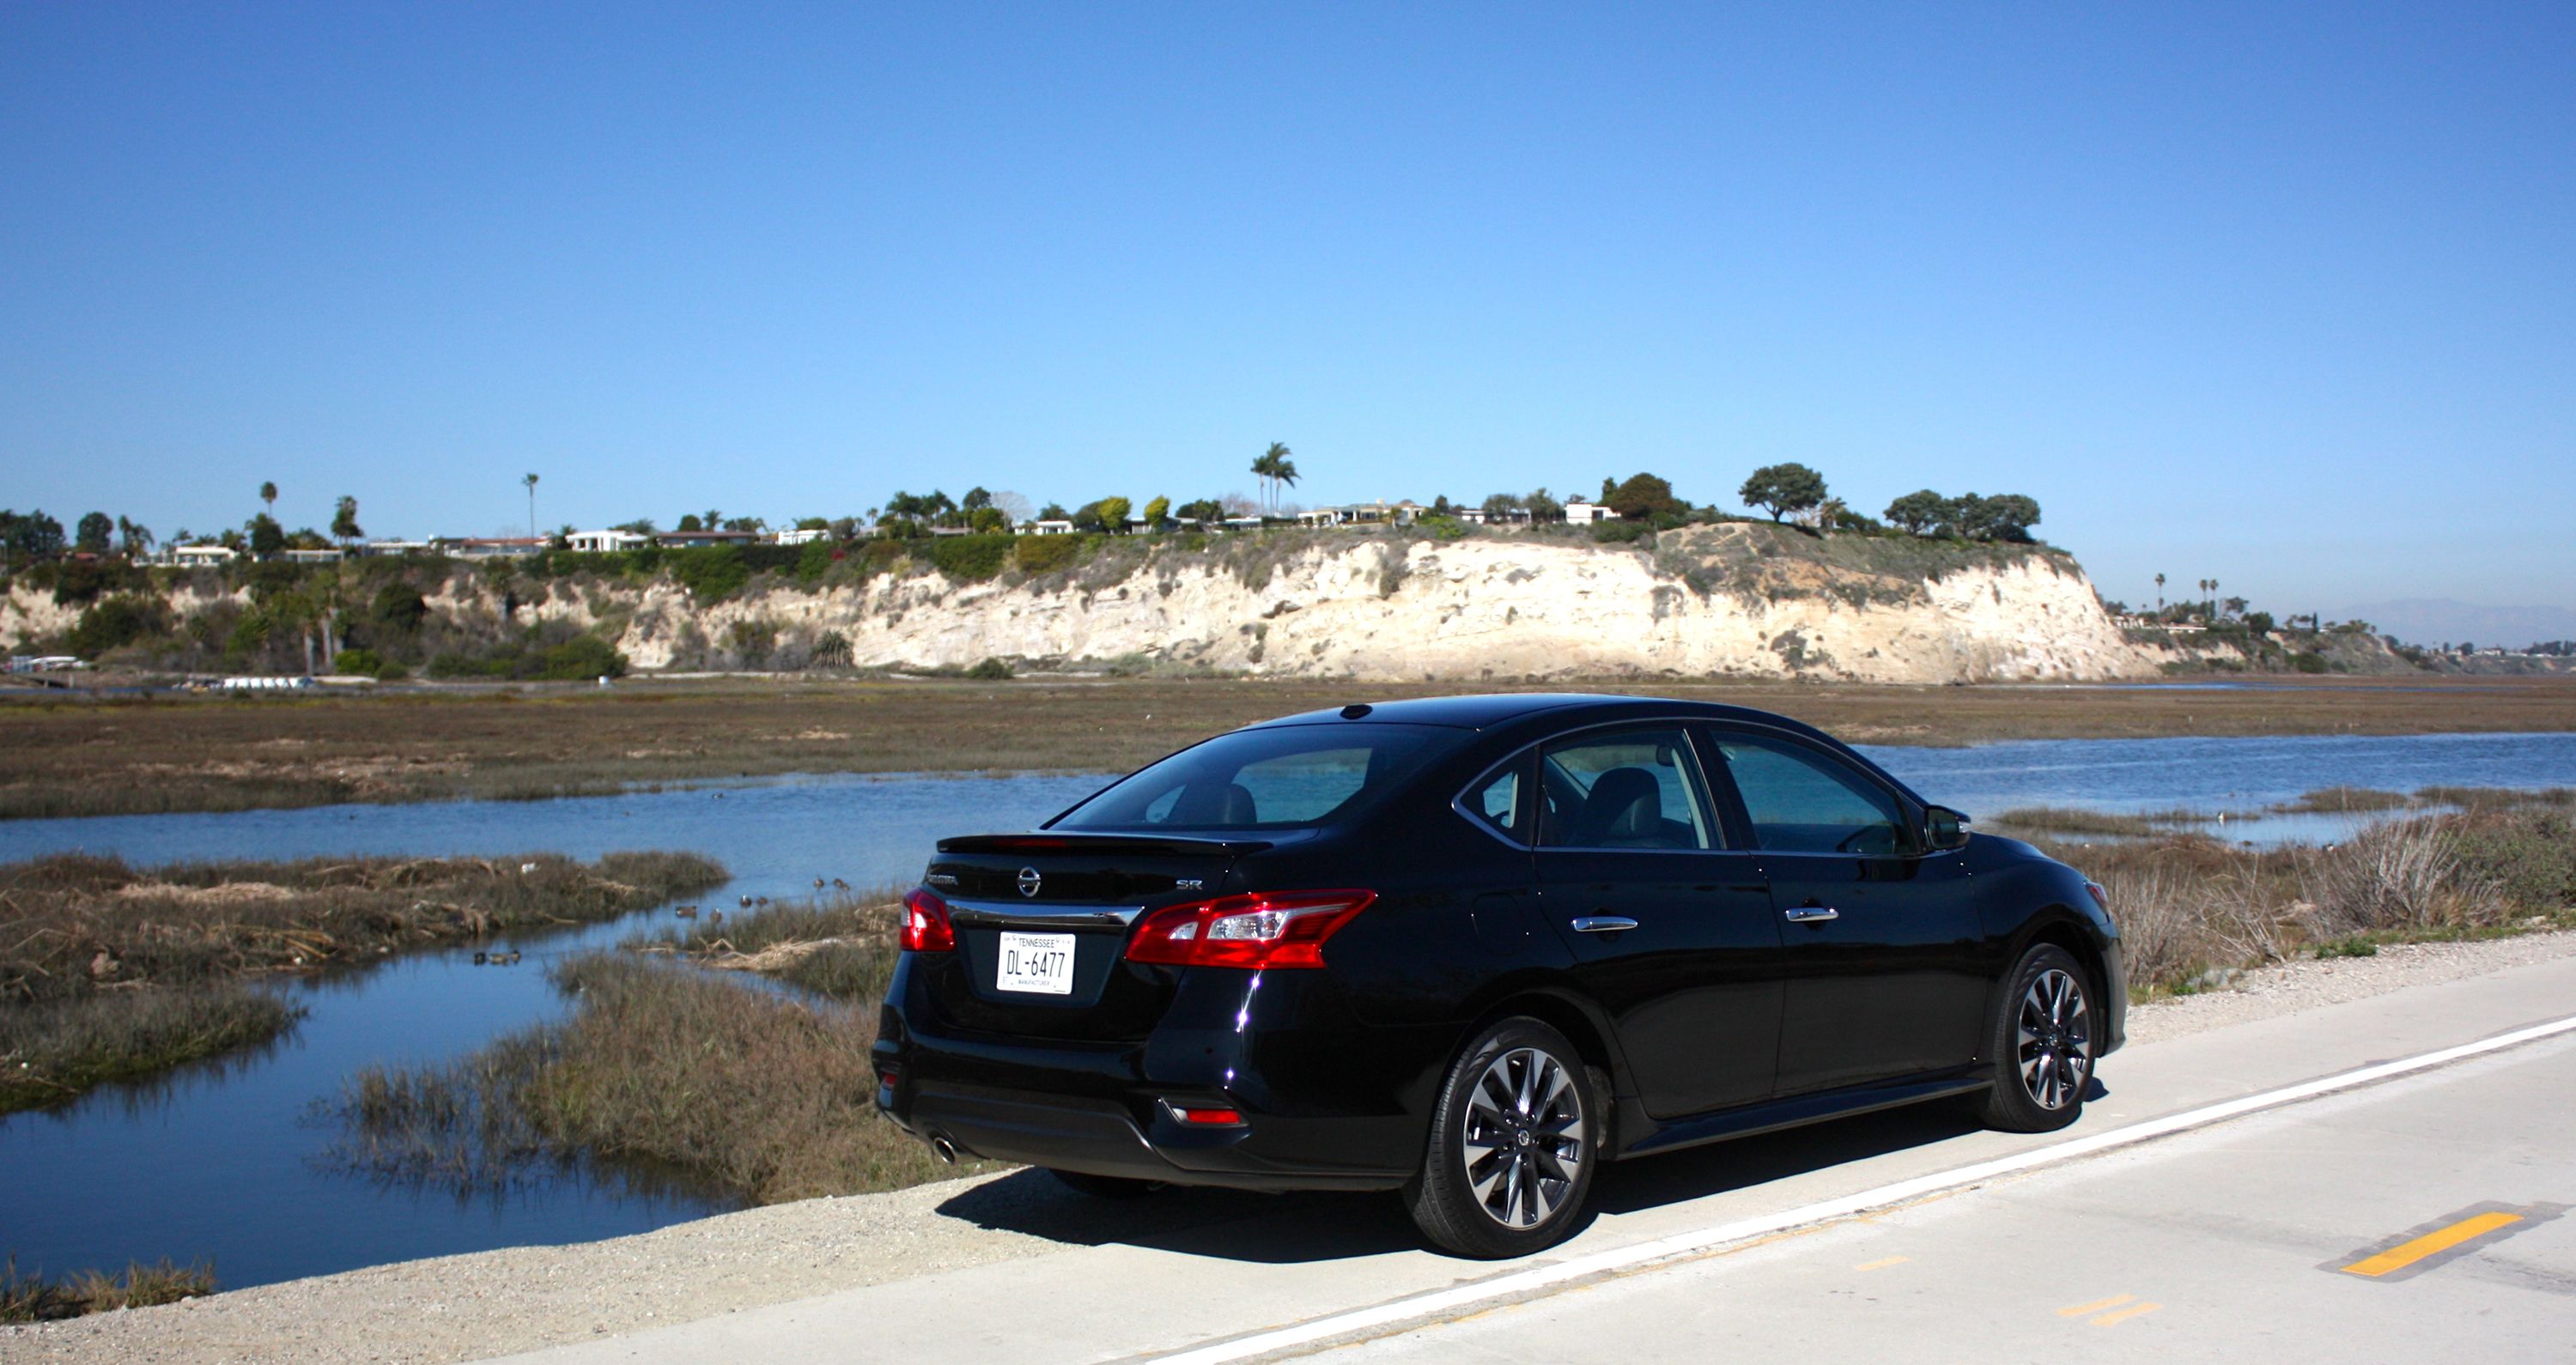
{"x": 1106, "y": 1186}
{"x": 2041, "y": 1045}
{"x": 1514, "y": 1139}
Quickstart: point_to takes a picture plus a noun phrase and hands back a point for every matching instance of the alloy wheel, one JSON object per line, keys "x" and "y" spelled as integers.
{"x": 2055, "y": 1040}
{"x": 1523, "y": 1139}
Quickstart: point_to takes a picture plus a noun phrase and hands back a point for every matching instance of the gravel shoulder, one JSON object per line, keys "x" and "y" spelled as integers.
{"x": 499, "y": 1302}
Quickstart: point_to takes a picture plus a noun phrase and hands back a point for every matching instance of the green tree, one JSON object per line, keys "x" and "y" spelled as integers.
{"x": 268, "y": 494}
{"x": 134, "y": 538}
{"x": 1157, "y": 511}
{"x": 1203, "y": 510}
{"x": 93, "y": 534}
{"x": 266, "y": 537}
{"x": 1644, "y": 497}
{"x": 987, "y": 520}
{"x": 344, "y": 520}
{"x": 1920, "y": 513}
{"x": 1054, "y": 511}
{"x": 1783, "y": 488}
{"x": 976, "y": 498}
{"x": 689, "y": 522}
{"x": 2006, "y": 516}
{"x": 1113, "y": 513}
{"x": 1543, "y": 506}
{"x": 30, "y": 538}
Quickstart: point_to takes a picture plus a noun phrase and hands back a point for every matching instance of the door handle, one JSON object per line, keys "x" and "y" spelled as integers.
{"x": 1603, "y": 924}
{"x": 1812, "y": 914}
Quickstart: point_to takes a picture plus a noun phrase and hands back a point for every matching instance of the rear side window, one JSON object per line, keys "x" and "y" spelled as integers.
{"x": 1498, "y": 801}
{"x": 1801, "y": 801}
{"x": 1271, "y": 778}
{"x": 1624, "y": 789}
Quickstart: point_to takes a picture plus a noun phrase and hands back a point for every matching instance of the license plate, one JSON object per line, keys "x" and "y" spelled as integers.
{"x": 1038, "y": 963}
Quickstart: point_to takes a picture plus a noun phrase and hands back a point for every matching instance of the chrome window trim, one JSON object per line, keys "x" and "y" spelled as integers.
{"x": 1459, "y": 804}
{"x": 1030, "y": 915}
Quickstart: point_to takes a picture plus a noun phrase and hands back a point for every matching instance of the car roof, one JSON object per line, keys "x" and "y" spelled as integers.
{"x": 1502, "y": 708}
{"x": 1494, "y": 710}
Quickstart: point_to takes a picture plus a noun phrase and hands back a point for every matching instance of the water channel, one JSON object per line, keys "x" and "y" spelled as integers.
{"x": 219, "y": 1161}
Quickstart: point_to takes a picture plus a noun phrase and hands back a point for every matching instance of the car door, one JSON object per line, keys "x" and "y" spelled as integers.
{"x": 1672, "y": 933}
{"x": 1883, "y": 947}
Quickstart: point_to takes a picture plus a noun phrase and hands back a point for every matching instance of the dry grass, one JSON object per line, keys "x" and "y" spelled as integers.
{"x": 2343, "y": 801}
{"x": 841, "y": 948}
{"x": 109, "y": 973}
{"x": 38, "y": 1299}
{"x": 662, "y": 1073}
{"x": 60, "y": 758}
{"x": 2189, "y": 906}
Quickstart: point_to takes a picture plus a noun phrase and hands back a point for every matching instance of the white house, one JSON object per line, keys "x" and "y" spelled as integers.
{"x": 326, "y": 556}
{"x": 606, "y": 542}
{"x": 378, "y": 548}
{"x": 1241, "y": 523}
{"x": 202, "y": 554}
{"x": 802, "y": 535}
{"x": 1583, "y": 513}
{"x": 1046, "y": 528}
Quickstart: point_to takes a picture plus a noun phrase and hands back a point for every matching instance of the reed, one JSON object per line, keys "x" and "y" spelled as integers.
{"x": 661, "y": 1073}
{"x": 39, "y": 1299}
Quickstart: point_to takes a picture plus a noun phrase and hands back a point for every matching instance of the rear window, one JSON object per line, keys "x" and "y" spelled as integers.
{"x": 1266, "y": 779}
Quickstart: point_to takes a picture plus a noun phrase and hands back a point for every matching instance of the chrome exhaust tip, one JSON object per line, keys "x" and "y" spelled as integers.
{"x": 945, "y": 1150}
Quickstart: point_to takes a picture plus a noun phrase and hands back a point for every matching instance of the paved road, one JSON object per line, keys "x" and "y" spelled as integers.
{"x": 2210, "y": 1243}
{"x": 2412, "y": 1221}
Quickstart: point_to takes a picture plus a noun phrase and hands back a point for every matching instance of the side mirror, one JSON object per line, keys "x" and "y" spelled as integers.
{"x": 1944, "y": 829}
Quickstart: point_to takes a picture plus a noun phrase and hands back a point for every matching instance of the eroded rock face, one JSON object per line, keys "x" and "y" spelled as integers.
{"x": 1743, "y": 599}
{"x": 1710, "y": 601}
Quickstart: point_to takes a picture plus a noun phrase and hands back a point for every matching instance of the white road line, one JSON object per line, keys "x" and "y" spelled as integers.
{"x": 1519, "y": 1283}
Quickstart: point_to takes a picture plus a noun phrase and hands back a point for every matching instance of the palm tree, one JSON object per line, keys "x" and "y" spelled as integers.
{"x": 268, "y": 494}
{"x": 1273, "y": 469}
{"x": 2160, "y": 592}
{"x": 531, "y": 481}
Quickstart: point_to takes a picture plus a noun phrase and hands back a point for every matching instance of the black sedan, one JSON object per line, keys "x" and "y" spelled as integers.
{"x": 1471, "y": 948}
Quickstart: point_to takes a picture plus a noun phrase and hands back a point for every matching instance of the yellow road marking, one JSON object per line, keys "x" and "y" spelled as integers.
{"x": 1882, "y": 1265}
{"x": 2439, "y": 1240}
{"x": 2081, "y": 1309}
{"x": 2125, "y": 1314}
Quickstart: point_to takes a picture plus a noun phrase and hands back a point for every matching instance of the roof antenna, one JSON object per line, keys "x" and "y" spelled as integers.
{"x": 1355, "y": 711}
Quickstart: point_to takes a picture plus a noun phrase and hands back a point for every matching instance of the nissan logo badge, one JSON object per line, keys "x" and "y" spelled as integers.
{"x": 1029, "y": 881}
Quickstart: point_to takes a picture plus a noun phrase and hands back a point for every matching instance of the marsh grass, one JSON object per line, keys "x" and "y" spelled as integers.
{"x": 108, "y": 972}
{"x": 52, "y": 1052}
{"x": 2189, "y": 906}
{"x": 39, "y": 1299}
{"x": 2342, "y": 800}
{"x": 135, "y": 756}
{"x": 661, "y": 1070}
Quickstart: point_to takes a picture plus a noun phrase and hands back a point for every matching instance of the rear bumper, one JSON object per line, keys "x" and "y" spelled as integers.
{"x": 1327, "y": 1105}
{"x": 1102, "y": 1137}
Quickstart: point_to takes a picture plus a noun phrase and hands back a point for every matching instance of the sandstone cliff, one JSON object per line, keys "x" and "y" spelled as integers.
{"x": 1729, "y": 599}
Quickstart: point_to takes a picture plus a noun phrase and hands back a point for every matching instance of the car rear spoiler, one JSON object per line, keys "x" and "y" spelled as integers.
{"x": 1141, "y": 845}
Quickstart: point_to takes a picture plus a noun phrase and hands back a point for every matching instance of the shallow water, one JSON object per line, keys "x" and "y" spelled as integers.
{"x": 218, "y": 1161}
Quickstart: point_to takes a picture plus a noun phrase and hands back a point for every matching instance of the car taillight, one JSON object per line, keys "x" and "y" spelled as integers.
{"x": 1205, "y": 1116}
{"x": 1263, "y": 930}
{"x": 925, "y": 924}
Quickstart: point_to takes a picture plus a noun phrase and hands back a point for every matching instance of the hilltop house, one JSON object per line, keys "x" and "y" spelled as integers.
{"x": 1046, "y": 528}
{"x": 802, "y": 535}
{"x": 696, "y": 540}
{"x": 201, "y": 555}
{"x": 1581, "y": 513}
{"x": 606, "y": 542}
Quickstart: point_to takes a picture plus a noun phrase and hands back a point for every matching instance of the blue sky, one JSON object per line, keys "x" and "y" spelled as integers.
{"x": 2276, "y": 294}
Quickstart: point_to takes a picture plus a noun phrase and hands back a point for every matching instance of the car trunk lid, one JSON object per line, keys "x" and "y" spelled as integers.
{"x": 1016, "y": 900}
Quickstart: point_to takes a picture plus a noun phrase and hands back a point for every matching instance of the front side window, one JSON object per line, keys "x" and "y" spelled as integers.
{"x": 1624, "y": 789}
{"x": 1800, "y": 801}
{"x": 1270, "y": 778}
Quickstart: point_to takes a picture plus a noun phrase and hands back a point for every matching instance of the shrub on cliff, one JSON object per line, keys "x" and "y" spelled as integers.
{"x": 971, "y": 559}
{"x": 711, "y": 574}
{"x": 1045, "y": 554}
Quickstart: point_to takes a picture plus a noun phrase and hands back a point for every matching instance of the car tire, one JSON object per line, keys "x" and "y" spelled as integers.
{"x": 1106, "y": 1186}
{"x": 2040, "y": 1045}
{"x": 1515, "y": 1139}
